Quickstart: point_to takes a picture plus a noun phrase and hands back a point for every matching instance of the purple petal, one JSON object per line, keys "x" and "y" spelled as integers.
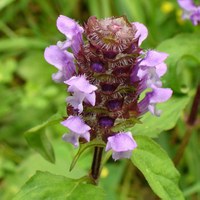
{"x": 58, "y": 77}
{"x": 120, "y": 155}
{"x": 161, "y": 69}
{"x": 90, "y": 98}
{"x": 76, "y": 101}
{"x": 78, "y": 97}
{"x": 71, "y": 138}
{"x": 64, "y": 45}
{"x": 62, "y": 60}
{"x": 122, "y": 145}
{"x": 80, "y": 83}
{"x": 143, "y": 105}
{"x": 151, "y": 68}
{"x": 153, "y": 78}
{"x": 86, "y": 136}
{"x": 195, "y": 16}
{"x": 141, "y": 73}
{"x": 68, "y": 26}
{"x": 153, "y": 58}
{"x": 159, "y": 95}
{"x": 153, "y": 110}
{"x": 121, "y": 142}
{"x": 55, "y": 56}
{"x": 149, "y": 77}
{"x": 187, "y": 5}
{"x": 76, "y": 124}
{"x": 142, "y": 32}
{"x": 72, "y": 30}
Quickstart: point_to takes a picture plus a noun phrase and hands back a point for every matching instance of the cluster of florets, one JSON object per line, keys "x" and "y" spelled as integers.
{"x": 190, "y": 11}
{"x": 105, "y": 74}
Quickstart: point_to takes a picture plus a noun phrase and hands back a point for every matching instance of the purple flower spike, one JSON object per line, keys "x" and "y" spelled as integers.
{"x": 190, "y": 11}
{"x": 82, "y": 91}
{"x": 77, "y": 129}
{"x": 108, "y": 70}
{"x": 122, "y": 145}
{"x": 72, "y": 30}
{"x": 141, "y": 33}
{"x": 62, "y": 60}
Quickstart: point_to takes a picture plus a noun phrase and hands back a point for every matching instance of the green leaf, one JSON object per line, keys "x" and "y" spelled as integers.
{"x": 157, "y": 168}
{"x": 183, "y": 45}
{"x": 37, "y": 139}
{"x": 132, "y": 9}
{"x": 189, "y": 43}
{"x": 152, "y": 126}
{"x": 44, "y": 185}
{"x": 95, "y": 8}
{"x": 6, "y": 72}
{"x": 4, "y": 3}
{"x": 21, "y": 43}
{"x": 106, "y": 8}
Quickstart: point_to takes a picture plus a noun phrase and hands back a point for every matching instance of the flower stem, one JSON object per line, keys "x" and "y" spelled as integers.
{"x": 127, "y": 180}
{"x": 190, "y": 122}
{"x": 194, "y": 110}
{"x": 96, "y": 164}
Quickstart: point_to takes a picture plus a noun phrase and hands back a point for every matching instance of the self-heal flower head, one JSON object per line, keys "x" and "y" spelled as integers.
{"x": 112, "y": 70}
{"x": 77, "y": 129}
{"x": 122, "y": 145}
{"x": 190, "y": 11}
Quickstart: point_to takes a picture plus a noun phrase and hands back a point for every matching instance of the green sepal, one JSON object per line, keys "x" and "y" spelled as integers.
{"x": 128, "y": 123}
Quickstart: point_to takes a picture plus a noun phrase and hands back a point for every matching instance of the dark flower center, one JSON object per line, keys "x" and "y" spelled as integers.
{"x": 106, "y": 122}
{"x": 115, "y": 104}
{"x": 122, "y": 71}
{"x": 97, "y": 67}
{"x": 108, "y": 87}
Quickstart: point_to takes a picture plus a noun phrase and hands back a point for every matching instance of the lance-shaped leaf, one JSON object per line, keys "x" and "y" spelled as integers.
{"x": 44, "y": 185}
{"x": 157, "y": 168}
{"x": 37, "y": 139}
{"x": 171, "y": 110}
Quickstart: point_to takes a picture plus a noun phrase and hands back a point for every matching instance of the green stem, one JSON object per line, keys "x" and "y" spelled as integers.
{"x": 96, "y": 164}
{"x": 127, "y": 178}
{"x": 190, "y": 122}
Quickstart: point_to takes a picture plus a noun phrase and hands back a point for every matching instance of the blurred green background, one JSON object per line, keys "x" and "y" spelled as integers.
{"x": 28, "y": 96}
